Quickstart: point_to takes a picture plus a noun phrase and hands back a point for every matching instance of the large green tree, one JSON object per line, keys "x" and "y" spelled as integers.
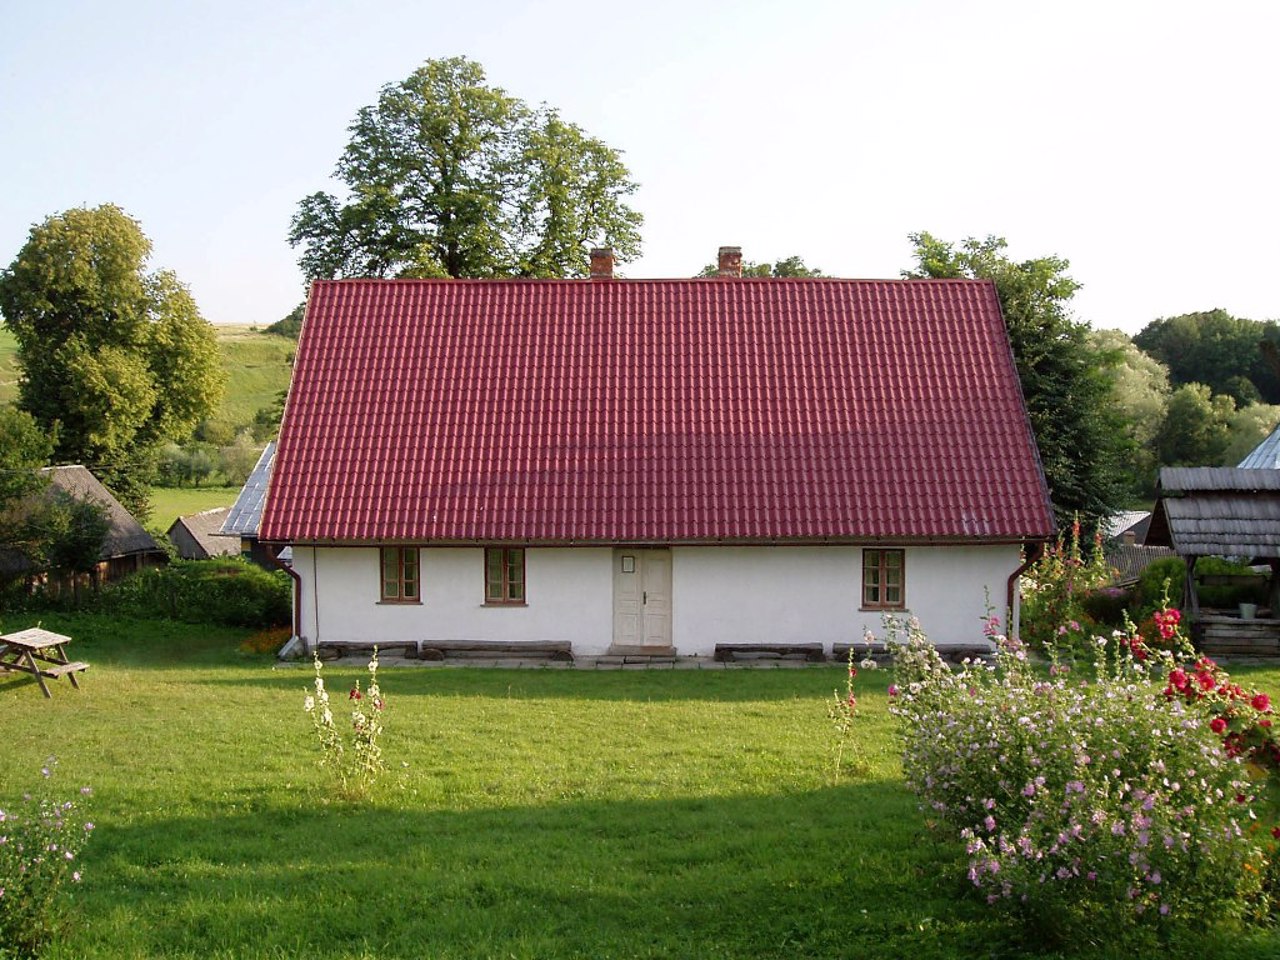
{"x": 115, "y": 359}
{"x": 1078, "y": 428}
{"x": 448, "y": 176}
{"x": 786, "y": 267}
{"x": 1140, "y": 387}
{"x": 1218, "y": 350}
{"x": 24, "y": 449}
{"x": 1197, "y": 428}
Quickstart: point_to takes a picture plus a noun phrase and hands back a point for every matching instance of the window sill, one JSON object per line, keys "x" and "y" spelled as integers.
{"x": 399, "y": 603}
{"x": 505, "y": 603}
{"x": 883, "y": 610}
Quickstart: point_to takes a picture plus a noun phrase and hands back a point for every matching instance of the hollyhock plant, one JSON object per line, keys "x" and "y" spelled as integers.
{"x": 843, "y": 711}
{"x": 1088, "y": 803}
{"x": 355, "y": 769}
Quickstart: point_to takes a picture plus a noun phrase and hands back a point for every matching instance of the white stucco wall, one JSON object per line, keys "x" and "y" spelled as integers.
{"x": 813, "y": 594}
{"x": 719, "y": 595}
{"x": 570, "y": 595}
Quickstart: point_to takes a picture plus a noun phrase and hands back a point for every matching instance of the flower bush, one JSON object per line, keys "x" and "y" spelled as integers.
{"x": 40, "y": 843}
{"x": 356, "y": 766}
{"x": 1096, "y": 807}
{"x": 1055, "y": 588}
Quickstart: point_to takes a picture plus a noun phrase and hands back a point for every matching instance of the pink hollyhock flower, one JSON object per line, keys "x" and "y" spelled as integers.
{"x": 893, "y": 689}
{"x": 1178, "y": 678}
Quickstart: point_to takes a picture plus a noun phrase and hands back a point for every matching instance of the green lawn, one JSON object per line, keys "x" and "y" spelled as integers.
{"x": 529, "y": 814}
{"x": 170, "y": 503}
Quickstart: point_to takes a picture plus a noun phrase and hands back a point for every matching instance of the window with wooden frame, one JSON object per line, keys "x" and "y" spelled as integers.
{"x": 400, "y": 575}
{"x": 883, "y": 579}
{"x": 504, "y": 575}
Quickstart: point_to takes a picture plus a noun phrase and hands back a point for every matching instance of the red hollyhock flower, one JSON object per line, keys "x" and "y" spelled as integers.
{"x": 354, "y": 694}
{"x": 1261, "y": 702}
{"x": 1217, "y": 724}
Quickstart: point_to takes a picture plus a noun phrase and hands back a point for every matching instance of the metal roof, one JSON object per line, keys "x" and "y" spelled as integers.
{"x": 654, "y": 411}
{"x": 246, "y": 513}
{"x": 1119, "y": 523}
{"x": 1266, "y": 455}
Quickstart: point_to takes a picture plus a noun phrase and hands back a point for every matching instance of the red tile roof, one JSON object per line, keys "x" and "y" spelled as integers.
{"x": 654, "y": 411}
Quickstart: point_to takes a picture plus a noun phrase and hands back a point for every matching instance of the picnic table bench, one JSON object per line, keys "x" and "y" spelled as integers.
{"x": 41, "y": 653}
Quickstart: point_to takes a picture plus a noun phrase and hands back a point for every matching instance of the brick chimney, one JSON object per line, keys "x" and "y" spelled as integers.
{"x": 730, "y": 262}
{"x": 602, "y": 263}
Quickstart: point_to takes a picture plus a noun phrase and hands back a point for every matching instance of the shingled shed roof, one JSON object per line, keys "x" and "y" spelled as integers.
{"x": 1218, "y": 511}
{"x": 125, "y": 535}
{"x": 655, "y": 411}
{"x": 203, "y": 535}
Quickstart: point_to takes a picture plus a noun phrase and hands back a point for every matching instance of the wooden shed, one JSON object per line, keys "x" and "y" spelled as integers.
{"x": 1228, "y": 512}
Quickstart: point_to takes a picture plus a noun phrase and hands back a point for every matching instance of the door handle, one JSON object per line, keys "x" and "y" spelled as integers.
{"x": 646, "y": 597}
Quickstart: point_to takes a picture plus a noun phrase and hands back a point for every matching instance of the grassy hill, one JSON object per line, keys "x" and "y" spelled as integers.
{"x": 8, "y": 365}
{"x": 256, "y": 364}
{"x": 257, "y": 368}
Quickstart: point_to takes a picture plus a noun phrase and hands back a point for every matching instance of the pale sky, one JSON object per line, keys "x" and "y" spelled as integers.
{"x": 1136, "y": 139}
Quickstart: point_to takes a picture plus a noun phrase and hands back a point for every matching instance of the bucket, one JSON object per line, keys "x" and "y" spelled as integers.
{"x": 1248, "y": 611}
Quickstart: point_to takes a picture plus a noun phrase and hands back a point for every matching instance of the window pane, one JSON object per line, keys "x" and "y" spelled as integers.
{"x": 893, "y": 559}
{"x": 517, "y": 591}
{"x": 892, "y": 595}
{"x": 872, "y": 594}
{"x": 871, "y": 576}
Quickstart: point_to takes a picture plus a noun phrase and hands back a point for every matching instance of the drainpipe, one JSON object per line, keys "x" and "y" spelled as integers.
{"x": 297, "y": 588}
{"x": 1033, "y": 554}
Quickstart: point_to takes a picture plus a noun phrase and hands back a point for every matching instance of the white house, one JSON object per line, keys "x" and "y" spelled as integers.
{"x": 652, "y": 465}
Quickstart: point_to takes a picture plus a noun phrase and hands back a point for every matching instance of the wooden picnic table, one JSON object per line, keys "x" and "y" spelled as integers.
{"x": 41, "y": 653}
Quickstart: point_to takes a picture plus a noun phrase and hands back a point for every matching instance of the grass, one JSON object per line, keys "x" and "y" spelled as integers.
{"x": 527, "y": 814}
{"x": 170, "y": 503}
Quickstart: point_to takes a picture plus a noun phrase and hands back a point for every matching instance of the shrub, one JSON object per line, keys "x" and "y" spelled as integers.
{"x": 1054, "y": 587}
{"x": 1095, "y": 808}
{"x": 229, "y": 591}
{"x": 1106, "y": 605}
{"x": 1160, "y": 576}
{"x": 40, "y": 841}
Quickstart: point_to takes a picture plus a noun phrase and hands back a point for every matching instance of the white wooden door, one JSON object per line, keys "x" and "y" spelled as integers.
{"x": 642, "y": 598}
